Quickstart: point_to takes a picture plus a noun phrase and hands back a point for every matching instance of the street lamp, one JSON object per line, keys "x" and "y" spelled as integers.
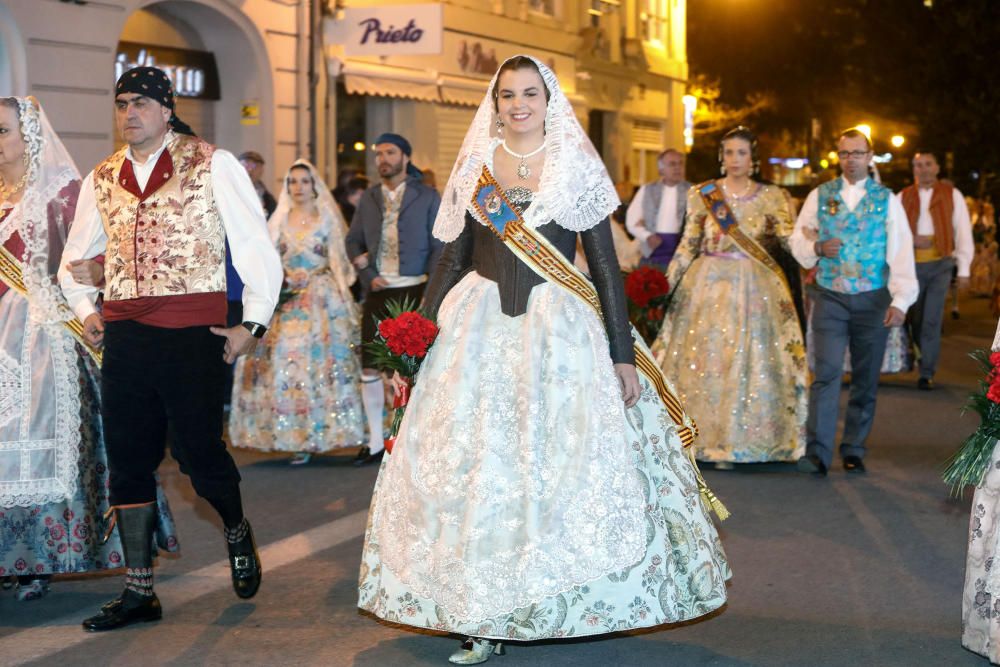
{"x": 897, "y": 140}
{"x": 690, "y": 103}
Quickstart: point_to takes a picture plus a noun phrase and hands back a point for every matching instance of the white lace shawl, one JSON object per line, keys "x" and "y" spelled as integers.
{"x": 39, "y": 372}
{"x": 574, "y": 190}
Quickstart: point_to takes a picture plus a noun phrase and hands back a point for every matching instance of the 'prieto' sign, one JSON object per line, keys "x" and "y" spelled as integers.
{"x": 389, "y": 30}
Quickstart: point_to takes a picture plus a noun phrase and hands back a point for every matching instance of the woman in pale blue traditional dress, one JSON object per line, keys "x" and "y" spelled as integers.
{"x": 300, "y": 391}
{"x": 538, "y": 487}
{"x": 53, "y": 465}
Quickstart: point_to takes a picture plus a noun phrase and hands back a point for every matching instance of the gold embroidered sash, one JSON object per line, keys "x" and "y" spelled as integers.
{"x": 717, "y": 207}
{"x": 493, "y": 208}
{"x": 10, "y": 274}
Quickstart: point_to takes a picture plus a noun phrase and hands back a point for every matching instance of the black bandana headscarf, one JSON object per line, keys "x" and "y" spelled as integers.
{"x": 153, "y": 83}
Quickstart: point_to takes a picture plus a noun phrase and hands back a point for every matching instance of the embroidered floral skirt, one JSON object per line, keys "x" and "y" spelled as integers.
{"x": 300, "y": 391}
{"x": 738, "y": 360}
{"x": 522, "y": 501}
{"x": 65, "y": 537}
{"x": 981, "y": 597}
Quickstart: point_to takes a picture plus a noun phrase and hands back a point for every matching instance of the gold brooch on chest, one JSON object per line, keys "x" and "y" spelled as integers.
{"x": 832, "y": 206}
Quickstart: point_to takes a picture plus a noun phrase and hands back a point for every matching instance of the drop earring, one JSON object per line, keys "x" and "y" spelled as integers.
{"x": 499, "y": 127}
{"x": 722, "y": 168}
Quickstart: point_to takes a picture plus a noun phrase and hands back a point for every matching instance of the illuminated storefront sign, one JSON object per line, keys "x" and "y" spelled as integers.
{"x": 388, "y": 30}
{"x": 193, "y": 73}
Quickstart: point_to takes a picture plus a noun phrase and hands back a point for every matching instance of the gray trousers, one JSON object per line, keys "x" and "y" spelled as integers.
{"x": 927, "y": 314}
{"x": 838, "y": 321}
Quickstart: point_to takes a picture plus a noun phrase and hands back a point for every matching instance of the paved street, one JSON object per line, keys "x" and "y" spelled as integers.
{"x": 843, "y": 571}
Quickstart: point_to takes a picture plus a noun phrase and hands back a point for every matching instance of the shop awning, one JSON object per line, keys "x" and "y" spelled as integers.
{"x": 374, "y": 79}
{"x": 461, "y": 90}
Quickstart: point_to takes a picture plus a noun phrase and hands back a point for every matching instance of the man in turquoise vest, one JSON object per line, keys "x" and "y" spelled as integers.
{"x": 856, "y": 232}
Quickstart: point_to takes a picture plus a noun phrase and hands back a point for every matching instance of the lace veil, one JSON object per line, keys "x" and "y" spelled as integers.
{"x": 575, "y": 189}
{"x": 333, "y": 221}
{"x": 50, "y": 170}
{"x": 40, "y": 432}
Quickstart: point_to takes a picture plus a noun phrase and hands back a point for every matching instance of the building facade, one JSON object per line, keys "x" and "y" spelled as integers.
{"x": 241, "y": 67}
{"x": 622, "y": 63}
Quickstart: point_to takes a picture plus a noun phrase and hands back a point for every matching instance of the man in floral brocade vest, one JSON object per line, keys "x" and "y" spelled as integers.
{"x": 855, "y": 230}
{"x": 161, "y": 210}
{"x": 942, "y": 240}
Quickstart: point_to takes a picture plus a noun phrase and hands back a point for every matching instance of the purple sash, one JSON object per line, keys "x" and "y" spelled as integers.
{"x": 665, "y": 251}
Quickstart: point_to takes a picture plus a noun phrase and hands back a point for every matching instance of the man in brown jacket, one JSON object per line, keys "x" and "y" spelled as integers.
{"x": 942, "y": 239}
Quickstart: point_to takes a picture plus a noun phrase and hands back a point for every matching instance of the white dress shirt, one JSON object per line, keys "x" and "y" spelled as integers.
{"x": 666, "y": 216}
{"x": 965, "y": 247}
{"x": 254, "y": 256}
{"x": 903, "y": 285}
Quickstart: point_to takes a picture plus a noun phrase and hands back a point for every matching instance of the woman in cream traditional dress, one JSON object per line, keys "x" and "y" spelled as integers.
{"x": 981, "y": 597}
{"x": 731, "y": 338}
{"x": 538, "y": 487}
{"x": 300, "y": 391}
{"x": 53, "y": 464}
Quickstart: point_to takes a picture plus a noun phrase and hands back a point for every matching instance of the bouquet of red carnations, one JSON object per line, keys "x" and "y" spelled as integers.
{"x": 401, "y": 343}
{"x": 968, "y": 466}
{"x": 647, "y": 290}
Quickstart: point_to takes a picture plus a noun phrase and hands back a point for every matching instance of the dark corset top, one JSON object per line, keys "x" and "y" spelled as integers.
{"x": 479, "y": 249}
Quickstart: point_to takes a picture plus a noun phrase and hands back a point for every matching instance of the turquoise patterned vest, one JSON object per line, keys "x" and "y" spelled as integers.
{"x": 861, "y": 266}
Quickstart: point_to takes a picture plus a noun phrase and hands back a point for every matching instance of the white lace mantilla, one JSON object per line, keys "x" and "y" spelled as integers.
{"x": 39, "y": 371}
{"x": 574, "y": 190}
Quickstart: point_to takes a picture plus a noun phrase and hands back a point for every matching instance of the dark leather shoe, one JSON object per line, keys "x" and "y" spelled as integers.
{"x": 244, "y": 565}
{"x": 124, "y": 610}
{"x": 365, "y": 457}
{"x": 925, "y": 384}
{"x": 854, "y": 464}
{"x": 812, "y": 464}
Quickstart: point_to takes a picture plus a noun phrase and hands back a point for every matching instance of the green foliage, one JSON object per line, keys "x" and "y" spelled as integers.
{"x": 969, "y": 464}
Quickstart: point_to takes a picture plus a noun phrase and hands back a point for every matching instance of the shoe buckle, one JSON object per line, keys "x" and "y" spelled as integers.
{"x": 242, "y": 562}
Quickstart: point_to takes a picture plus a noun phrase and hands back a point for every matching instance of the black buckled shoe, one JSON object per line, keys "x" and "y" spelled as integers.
{"x": 244, "y": 565}
{"x": 126, "y": 609}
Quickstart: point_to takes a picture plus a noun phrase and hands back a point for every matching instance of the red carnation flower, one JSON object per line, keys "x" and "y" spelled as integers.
{"x": 645, "y": 284}
{"x": 409, "y": 334}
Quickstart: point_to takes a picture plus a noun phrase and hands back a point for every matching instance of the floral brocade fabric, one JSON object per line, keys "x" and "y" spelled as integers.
{"x": 981, "y": 597}
{"x": 171, "y": 242}
{"x": 731, "y": 339}
{"x": 65, "y": 537}
{"x": 300, "y": 390}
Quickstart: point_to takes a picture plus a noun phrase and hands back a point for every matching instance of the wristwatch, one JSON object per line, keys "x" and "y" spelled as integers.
{"x": 256, "y": 330}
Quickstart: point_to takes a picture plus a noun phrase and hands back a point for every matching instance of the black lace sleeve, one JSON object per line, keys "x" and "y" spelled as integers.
{"x": 455, "y": 260}
{"x": 599, "y": 248}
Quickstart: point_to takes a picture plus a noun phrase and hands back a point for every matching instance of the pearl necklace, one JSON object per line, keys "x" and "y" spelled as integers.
{"x": 523, "y": 172}
{"x": 742, "y": 194}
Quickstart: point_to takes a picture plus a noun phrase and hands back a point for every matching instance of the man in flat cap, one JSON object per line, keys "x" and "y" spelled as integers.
{"x": 391, "y": 245}
{"x": 161, "y": 210}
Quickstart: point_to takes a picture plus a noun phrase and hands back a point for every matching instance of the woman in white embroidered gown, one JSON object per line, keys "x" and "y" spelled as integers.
{"x": 53, "y": 465}
{"x": 981, "y": 597}
{"x": 300, "y": 391}
{"x": 537, "y": 488}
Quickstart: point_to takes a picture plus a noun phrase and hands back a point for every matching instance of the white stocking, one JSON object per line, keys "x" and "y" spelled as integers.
{"x": 373, "y": 397}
